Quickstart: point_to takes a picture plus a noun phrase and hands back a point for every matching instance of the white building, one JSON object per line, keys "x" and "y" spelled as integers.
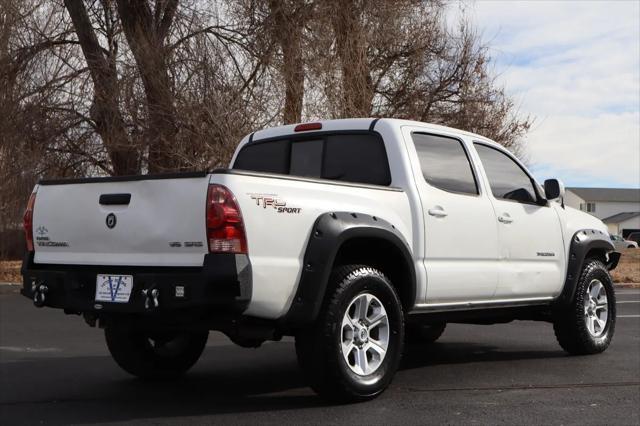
{"x": 619, "y": 208}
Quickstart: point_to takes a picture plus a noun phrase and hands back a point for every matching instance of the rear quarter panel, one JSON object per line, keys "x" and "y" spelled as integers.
{"x": 278, "y": 230}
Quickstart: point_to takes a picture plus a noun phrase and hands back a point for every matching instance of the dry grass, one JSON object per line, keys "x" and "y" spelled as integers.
{"x": 628, "y": 270}
{"x": 10, "y": 271}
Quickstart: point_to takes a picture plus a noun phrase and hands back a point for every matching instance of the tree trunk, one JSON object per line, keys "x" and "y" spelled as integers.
{"x": 146, "y": 35}
{"x": 352, "y": 51}
{"x": 105, "y": 111}
{"x": 289, "y": 23}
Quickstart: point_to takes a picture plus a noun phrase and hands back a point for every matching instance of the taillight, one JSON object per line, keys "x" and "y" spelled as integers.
{"x": 225, "y": 230}
{"x": 27, "y": 220}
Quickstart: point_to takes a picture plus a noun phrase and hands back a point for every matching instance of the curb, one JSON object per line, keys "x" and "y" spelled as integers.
{"x": 9, "y": 288}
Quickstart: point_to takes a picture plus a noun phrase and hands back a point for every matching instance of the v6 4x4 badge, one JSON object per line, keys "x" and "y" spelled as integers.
{"x": 272, "y": 200}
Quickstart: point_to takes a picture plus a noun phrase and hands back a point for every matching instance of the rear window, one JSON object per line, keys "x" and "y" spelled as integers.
{"x": 271, "y": 157}
{"x": 359, "y": 158}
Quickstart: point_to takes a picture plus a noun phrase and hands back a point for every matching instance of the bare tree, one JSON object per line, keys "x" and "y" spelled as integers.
{"x": 351, "y": 46}
{"x": 288, "y": 25}
{"x": 146, "y": 31}
{"x": 105, "y": 110}
{"x": 279, "y": 40}
{"x": 135, "y": 86}
{"x": 400, "y": 59}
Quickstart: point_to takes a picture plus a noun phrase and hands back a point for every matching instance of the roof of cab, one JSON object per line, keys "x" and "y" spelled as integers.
{"x": 361, "y": 124}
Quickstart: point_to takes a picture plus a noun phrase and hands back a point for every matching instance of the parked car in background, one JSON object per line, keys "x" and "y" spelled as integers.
{"x": 635, "y": 237}
{"x": 620, "y": 243}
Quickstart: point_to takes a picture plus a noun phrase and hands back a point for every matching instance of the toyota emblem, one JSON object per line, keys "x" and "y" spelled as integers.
{"x": 111, "y": 220}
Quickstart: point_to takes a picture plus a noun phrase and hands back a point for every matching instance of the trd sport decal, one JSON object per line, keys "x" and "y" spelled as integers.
{"x": 272, "y": 200}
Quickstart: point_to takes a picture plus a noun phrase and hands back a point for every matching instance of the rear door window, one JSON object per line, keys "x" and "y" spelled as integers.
{"x": 445, "y": 164}
{"x": 348, "y": 157}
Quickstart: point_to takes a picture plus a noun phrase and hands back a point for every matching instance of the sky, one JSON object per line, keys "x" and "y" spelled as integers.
{"x": 574, "y": 66}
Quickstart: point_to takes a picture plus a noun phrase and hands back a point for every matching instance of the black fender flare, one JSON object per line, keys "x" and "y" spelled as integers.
{"x": 329, "y": 232}
{"x": 582, "y": 242}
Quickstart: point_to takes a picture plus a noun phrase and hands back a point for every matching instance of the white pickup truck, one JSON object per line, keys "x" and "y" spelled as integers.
{"x": 347, "y": 234}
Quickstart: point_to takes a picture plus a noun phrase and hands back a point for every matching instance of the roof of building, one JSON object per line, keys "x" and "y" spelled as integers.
{"x": 620, "y": 217}
{"x": 608, "y": 194}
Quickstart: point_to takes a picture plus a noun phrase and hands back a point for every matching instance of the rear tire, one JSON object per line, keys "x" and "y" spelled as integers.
{"x": 160, "y": 355}
{"x": 354, "y": 349}
{"x": 587, "y": 325}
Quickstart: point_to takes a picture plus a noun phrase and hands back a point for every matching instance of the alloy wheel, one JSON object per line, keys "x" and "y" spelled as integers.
{"x": 596, "y": 308}
{"x": 365, "y": 334}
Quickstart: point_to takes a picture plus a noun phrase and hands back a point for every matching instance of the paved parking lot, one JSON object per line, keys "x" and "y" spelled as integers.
{"x": 55, "y": 370}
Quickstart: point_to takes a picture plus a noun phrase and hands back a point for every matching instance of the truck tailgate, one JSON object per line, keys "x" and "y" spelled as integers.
{"x": 144, "y": 221}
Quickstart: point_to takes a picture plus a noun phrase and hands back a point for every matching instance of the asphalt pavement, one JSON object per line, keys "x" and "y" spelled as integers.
{"x": 56, "y": 370}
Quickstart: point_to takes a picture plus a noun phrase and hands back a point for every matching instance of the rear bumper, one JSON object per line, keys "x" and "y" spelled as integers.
{"x": 223, "y": 284}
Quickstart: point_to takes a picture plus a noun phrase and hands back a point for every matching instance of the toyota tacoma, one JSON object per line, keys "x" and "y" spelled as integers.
{"x": 350, "y": 235}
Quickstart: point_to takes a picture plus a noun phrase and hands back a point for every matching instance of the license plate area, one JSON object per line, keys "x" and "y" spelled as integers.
{"x": 113, "y": 288}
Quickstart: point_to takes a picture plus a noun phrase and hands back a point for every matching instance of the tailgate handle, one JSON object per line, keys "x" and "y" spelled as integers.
{"x": 115, "y": 199}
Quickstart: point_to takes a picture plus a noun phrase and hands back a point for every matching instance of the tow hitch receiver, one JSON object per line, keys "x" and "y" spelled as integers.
{"x": 151, "y": 298}
{"x": 40, "y": 291}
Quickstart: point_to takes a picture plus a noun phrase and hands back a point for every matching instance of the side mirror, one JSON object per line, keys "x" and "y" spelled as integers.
{"x": 553, "y": 189}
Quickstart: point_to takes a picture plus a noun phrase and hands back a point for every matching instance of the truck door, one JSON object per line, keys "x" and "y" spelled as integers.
{"x": 529, "y": 230}
{"x": 461, "y": 241}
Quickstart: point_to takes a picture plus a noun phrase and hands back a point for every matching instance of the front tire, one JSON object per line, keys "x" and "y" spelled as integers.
{"x": 156, "y": 355}
{"x": 587, "y": 325}
{"x": 354, "y": 349}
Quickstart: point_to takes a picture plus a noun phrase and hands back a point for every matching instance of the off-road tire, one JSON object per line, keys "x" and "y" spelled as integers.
{"x": 154, "y": 356}
{"x": 424, "y": 333}
{"x": 319, "y": 347}
{"x": 570, "y": 325}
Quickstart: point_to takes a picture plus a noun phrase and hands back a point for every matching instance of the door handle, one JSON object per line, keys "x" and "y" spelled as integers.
{"x": 505, "y": 218}
{"x": 437, "y": 212}
{"x": 115, "y": 199}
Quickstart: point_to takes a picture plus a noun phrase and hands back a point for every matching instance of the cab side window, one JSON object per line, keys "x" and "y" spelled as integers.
{"x": 506, "y": 178}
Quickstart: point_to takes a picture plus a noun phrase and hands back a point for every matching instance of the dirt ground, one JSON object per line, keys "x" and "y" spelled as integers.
{"x": 10, "y": 271}
{"x": 628, "y": 270}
